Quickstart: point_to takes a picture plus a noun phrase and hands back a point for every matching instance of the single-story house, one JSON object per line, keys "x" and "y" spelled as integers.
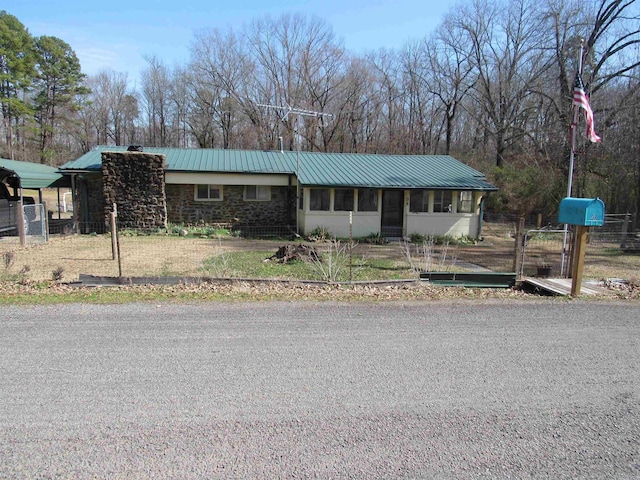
{"x": 391, "y": 195}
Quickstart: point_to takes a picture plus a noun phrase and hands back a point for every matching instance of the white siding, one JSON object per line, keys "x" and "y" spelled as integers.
{"x": 452, "y": 224}
{"x": 365, "y": 223}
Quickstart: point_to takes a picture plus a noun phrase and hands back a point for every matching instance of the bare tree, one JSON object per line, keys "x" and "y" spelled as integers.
{"x": 391, "y": 100}
{"x": 297, "y": 63}
{"x": 508, "y": 41}
{"x": 222, "y": 72}
{"x": 449, "y": 72}
{"x": 110, "y": 109}
{"x": 156, "y": 85}
{"x": 419, "y": 128}
{"x": 179, "y": 97}
{"x": 351, "y": 117}
{"x": 609, "y": 30}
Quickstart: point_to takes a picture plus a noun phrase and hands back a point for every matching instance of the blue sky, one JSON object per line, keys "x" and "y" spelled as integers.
{"x": 118, "y": 34}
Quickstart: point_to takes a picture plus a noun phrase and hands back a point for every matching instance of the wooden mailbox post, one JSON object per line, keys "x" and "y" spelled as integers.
{"x": 584, "y": 213}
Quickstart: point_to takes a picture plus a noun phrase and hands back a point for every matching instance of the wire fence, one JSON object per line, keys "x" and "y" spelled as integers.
{"x": 198, "y": 251}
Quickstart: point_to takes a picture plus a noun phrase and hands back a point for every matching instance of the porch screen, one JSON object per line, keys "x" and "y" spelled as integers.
{"x": 319, "y": 199}
{"x": 367, "y": 200}
{"x": 442, "y": 201}
{"x": 419, "y": 201}
{"x": 343, "y": 200}
{"x": 465, "y": 202}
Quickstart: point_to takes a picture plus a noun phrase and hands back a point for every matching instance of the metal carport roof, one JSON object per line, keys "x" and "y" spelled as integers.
{"x": 35, "y": 175}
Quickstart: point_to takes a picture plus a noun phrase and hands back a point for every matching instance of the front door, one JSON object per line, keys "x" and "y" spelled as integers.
{"x": 392, "y": 213}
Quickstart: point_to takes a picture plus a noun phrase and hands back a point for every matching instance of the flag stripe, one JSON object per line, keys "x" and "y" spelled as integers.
{"x": 581, "y": 100}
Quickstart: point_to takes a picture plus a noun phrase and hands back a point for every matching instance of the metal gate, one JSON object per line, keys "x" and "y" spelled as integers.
{"x": 35, "y": 223}
{"x": 542, "y": 251}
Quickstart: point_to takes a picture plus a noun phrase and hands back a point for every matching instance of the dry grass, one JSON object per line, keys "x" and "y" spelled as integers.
{"x": 177, "y": 256}
{"x": 93, "y": 255}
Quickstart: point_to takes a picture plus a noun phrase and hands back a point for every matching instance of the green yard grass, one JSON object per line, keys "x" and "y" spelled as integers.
{"x": 253, "y": 264}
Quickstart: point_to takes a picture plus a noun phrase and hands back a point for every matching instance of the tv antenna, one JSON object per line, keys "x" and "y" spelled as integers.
{"x": 299, "y": 114}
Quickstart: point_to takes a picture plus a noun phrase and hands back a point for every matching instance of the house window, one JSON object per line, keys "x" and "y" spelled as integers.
{"x": 208, "y": 192}
{"x": 443, "y": 201}
{"x": 343, "y": 200}
{"x": 419, "y": 201}
{"x": 319, "y": 199}
{"x": 465, "y": 202}
{"x": 257, "y": 193}
{"x": 367, "y": 200}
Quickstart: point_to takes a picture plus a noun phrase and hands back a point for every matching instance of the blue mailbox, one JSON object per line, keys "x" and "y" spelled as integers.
{"x": 587, "y": 212}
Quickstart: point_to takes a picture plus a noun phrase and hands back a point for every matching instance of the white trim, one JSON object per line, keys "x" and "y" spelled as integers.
{"x": 184, "y": 178}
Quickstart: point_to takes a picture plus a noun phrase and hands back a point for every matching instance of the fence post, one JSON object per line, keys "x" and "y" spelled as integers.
{"x": 517, "y": 259}
{"x": 625, "y": 230}
{"x": 20, "y": 223}
{"x": 112, "y": 218}
{"x": 115, "y": 238}
{"x": 45, "y": 221}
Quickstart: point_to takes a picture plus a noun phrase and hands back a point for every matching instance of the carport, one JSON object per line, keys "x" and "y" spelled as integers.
{"x": 35, "y": 176}
{"x": 18, "y": 176}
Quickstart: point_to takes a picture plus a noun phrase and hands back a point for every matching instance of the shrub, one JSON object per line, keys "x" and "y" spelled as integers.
{"x": 320, "y": 234}
{"x": 375, "y": 238}
{"x": 417, "y": 238}
{"x": 56, "y": 275}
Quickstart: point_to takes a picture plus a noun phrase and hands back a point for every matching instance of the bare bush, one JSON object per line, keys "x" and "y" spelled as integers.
{"x": 336, "y": 261}
{"x": 217, "y": 265}
{"x": 424, "y": 258}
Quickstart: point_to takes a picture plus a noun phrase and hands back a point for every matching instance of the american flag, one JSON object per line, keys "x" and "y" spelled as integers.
{"x": 581, "y": 100}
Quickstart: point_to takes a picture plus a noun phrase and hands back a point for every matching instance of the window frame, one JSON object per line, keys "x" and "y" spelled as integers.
{"x": 464, "y": 202}
{"x": 218, "y": 187}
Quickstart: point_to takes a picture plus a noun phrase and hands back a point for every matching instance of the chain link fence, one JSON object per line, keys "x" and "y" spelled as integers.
{"x": 34, "y": 223}
{"x": 547, "y": 249}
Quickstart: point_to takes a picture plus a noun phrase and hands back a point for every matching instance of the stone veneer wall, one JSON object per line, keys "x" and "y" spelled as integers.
{"x": 134, "y": 181}
{"x": 183, "y": 208}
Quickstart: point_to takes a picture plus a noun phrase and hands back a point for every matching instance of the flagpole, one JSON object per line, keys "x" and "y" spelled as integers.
{"x": 572, "y": 135}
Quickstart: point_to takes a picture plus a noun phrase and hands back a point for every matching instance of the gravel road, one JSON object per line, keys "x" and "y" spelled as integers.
{"x": 543, "y": 389}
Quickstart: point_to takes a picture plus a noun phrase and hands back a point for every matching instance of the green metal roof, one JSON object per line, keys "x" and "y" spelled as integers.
{"x": 35, "y": 175}
{"x": 389, "y": 171}
{"x": 316, "y": 169}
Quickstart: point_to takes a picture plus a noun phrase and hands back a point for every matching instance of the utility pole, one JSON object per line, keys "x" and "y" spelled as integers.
{"x": 299, "y": 113}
